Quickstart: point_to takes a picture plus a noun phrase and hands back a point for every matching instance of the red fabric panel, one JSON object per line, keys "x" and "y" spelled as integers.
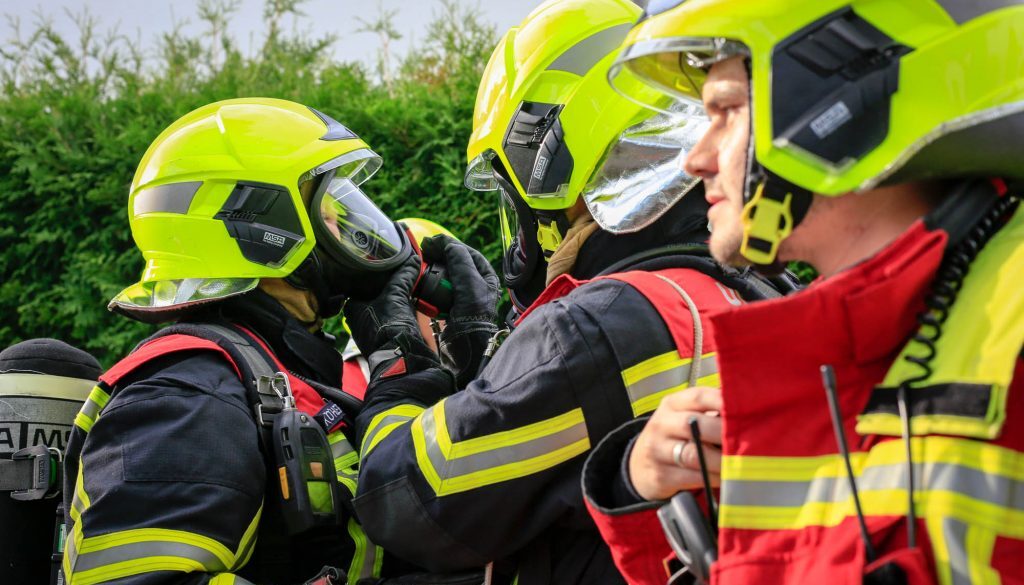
{"x": 638, "y": 544}
{"x": 558, "y": 288}
{"x": 352, "y": 379}
{"x": 160, "y": 347}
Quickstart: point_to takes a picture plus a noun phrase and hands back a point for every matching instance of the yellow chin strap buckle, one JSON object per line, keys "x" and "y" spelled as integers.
{"x": 766, "y": 222}
{"x": 549, "y": 237}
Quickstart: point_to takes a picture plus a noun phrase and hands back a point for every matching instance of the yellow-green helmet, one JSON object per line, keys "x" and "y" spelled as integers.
{"x": 543, "y": 125}
{"x": 424, "y": 228}
{"x": 216, "y": 204}
{"x": 846, "y": 95}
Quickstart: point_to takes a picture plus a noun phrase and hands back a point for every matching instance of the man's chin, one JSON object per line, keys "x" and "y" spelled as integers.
{"x": 725, "y": 248}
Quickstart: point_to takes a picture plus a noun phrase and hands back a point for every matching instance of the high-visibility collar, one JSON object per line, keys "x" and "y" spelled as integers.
{"x": 974, "y": 357}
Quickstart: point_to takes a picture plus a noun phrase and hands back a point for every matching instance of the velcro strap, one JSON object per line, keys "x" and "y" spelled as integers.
{"x": 954, "y": 399}
{"x": 17, "y": 474}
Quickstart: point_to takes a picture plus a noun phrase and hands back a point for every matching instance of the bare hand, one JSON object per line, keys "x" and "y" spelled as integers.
{"x": 653, "y": 468}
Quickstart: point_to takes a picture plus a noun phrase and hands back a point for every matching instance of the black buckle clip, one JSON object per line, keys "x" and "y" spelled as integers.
{"x": 46, "y": 470}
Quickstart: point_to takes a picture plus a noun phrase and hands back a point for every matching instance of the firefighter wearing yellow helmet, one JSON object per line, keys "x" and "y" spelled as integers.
{"x": 491, "y": 473}
{"x": 872, "y": 423}
{"x": 218, "y": 451}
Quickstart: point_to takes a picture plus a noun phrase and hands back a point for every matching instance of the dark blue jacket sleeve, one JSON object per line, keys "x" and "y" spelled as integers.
{"x": 484, "y": 472}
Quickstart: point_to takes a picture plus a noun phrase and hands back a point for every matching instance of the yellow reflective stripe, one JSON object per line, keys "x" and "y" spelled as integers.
{"x": 366, "y": 562}
{"x": 652, "y": 379}
{"x": 248, "y": 542}
{"x": 977, "y": 483}
{"x": 385, "y": 422}
{"x": 131, "y": 552}
{"x": 452, "y": 467}
{"x": 229, "y": 579}
{"x": 340, "y": 445}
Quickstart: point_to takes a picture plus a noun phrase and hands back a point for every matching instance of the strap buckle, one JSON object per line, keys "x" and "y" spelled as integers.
{"x": 275, "y": 394}
{"x": 44, "y": 474}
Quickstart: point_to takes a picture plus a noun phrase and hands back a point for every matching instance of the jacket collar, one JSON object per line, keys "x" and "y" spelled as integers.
{"x": 861, "y": 315}
{"x": 311, "y": 355}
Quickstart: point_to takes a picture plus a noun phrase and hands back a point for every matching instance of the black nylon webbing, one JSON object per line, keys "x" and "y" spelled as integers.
{"x": 16, "y": 474}
{"x": 955, "y": 399}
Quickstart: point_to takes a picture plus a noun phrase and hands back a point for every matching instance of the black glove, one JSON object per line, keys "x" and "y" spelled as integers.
{"x": 471, "y": 320}
{"x": 385, "y": 327}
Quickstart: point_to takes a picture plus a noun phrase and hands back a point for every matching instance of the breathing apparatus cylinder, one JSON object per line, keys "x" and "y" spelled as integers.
{"x": 43, "y": 384}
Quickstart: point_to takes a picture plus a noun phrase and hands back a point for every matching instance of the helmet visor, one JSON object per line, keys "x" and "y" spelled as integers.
{"x": 509, "y": 220}
{"x": 660, "y": 73}
{"x": 641, "y": 175}
{"x": 353, "y": 225}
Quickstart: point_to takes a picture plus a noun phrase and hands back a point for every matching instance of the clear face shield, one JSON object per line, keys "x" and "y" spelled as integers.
{"x": 517, "y": 223}
{"x": 348, "y": 225}
{"x": 641, "y": 175}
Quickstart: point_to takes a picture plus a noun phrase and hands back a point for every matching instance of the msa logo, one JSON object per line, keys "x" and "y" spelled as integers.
{"x": 273, "y": 239}
{"x": 830, "y": 120}
{"x": 540, "y": 168}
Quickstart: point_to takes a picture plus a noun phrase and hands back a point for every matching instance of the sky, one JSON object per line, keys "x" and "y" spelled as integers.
{"x": 147, "y": 19}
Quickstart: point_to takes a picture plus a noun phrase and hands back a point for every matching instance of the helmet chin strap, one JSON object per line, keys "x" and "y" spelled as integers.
{"x": 315, "y": 276}
{"x": 772, "y": 207}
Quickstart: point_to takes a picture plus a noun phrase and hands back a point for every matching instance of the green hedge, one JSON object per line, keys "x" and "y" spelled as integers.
{"x": 74, "y": 122}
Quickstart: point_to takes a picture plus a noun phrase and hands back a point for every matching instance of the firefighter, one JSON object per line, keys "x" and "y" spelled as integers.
{"x": 881, "y": 143}
{"x": 490, "y": 474}
{"x": 356, "y": 371}
{"x": 218, "y": 451}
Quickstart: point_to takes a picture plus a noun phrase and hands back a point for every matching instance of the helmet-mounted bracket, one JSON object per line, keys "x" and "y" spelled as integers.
{"x": 535, "y": 147}
{"x": 262, "y": 219}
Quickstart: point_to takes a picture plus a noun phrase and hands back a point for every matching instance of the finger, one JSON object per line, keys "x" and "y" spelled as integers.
{"x": 434, "y": 248}
{"x": 483, "y": 267}
{"x": 404, "y": 278}
{"x": 675, "y": 424}
{"x": 698, "y": 398}
{"x": 689, "y": 458}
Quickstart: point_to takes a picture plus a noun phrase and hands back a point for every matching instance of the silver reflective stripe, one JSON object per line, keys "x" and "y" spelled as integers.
{"x": 341, "y": 448}
{"x": 70, "y": 548}
{"x": 171, "y": 198}
{"x": 996, "y": 489}
{"x": 91, "y": 409}
{"x": 499, "y": 455}
{"x": 368, "y": 560}
{"x": 954, "y": 532}
{"x": 671, "y": 378}
{"x": 252, "y": 356}
{"x": 137, "y": 551}
{"x": 383, "y": 424}
{"x": 581, "y": 57}
{"x": 962, "y": 12}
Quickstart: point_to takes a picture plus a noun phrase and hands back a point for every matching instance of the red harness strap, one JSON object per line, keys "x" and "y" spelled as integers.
{"x": 307, "y": 399}
{"x": 662, "y": 295}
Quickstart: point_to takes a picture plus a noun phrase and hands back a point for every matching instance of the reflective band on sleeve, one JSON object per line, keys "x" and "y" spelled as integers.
{"x": 652, "y": 379}
{"x": 452, "y": 467}
{"x": 91, "y": 408}
{"x": 385, "y": 422}
{"x": 977, "y": 483}
{"x": 366, "y": 562}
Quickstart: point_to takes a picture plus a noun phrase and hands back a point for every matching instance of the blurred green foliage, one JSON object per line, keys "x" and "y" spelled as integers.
{"x": 75, "y": 119}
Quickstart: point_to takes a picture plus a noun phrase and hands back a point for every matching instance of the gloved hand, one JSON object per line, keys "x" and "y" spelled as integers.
{"x": 385, "y": 327}
{"x": 471, "y": 320}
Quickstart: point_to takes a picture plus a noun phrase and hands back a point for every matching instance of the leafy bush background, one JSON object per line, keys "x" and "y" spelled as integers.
{"x": 76, "y": 119}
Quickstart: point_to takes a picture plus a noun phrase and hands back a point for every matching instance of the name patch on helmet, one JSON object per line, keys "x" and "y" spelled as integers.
{"x": 273, "y": 239}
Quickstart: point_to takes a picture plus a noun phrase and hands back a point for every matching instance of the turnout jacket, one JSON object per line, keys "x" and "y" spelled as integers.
{"x": 491, "y": 473}
{"x": 786, "y": 513}
{"x": 166, "y": 482}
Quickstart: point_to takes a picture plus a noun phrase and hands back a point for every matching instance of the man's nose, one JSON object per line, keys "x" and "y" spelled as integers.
{"x": 702, "y": 160}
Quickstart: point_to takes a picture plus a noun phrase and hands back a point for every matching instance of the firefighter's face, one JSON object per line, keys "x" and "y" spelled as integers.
{"x": 720, "y": 158}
